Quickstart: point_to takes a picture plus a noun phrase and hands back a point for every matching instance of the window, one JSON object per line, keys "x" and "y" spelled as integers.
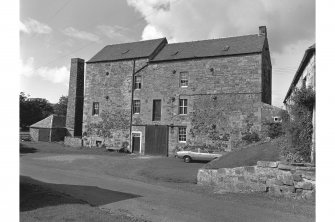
{"x": 138, "y": 82}
{"x": 95, "y": 111}
{"x": 156, "y": 114}
{"x": 136, "y": 106}
{"x": 183, "y": 106}
{"x": 183, "y": 79}
{"x": 182, "y": 134}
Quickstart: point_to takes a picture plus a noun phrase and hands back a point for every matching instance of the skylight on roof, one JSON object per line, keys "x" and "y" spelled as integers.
{"x": 226, "y": 48}
{"x": 126, "y": 51}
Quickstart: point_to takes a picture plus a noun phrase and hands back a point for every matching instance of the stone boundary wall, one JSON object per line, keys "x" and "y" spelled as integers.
{"x": 73, "y": 141}
{"x": 275, "y": 178}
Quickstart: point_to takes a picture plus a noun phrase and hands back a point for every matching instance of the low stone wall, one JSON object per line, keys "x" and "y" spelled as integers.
{"x": 275, "y": 178}
{"x": 73, "y": 141}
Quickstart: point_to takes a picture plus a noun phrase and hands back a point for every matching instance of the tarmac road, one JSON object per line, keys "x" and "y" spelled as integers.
{"x": 148, "y": 201}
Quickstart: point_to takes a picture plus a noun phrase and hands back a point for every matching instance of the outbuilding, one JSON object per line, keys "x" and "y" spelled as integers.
{"x": 49, "y": 129}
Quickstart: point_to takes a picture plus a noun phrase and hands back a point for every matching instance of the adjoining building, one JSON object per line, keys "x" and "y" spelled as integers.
{"x": 49, "y": 129}
{"x": 304, "y": 77}
{"x": 153, "y": 97}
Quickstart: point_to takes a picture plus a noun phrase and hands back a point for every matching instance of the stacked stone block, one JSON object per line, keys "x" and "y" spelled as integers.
{"x": 272, "y": 177}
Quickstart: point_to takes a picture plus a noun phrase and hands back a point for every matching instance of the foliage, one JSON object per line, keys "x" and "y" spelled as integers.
{"x": 61, "y": 107}
{"x": 299, "y": 128}
{"x": 33, "y": 110}
{"x": 273, "y": 129}
{"x": 251, "y": 137}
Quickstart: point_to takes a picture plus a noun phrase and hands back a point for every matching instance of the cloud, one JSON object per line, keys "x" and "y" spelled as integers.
{"x": 183, "y": 20}
{"x": 30, "y": 26}
{"x": 151, "y": 32}
{"x": 117, "y": 33}
{"x": 54, "y": 75}
{"x": 75, "y": 33}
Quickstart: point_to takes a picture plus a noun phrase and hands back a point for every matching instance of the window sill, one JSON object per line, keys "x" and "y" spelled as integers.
{"x": 182, "y": 141}
{"x": 183, "y": 86}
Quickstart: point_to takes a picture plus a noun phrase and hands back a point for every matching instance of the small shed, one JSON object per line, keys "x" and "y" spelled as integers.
{"x": 49, "y": 129}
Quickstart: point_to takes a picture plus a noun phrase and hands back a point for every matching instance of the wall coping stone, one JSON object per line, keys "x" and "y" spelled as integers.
{"x": 269, "y": 164}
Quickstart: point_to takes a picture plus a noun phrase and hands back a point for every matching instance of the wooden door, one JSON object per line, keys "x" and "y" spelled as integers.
{"x": 43, "y": 135}
{"x": 136, "y": 144}
{"x": 156, "y": 140}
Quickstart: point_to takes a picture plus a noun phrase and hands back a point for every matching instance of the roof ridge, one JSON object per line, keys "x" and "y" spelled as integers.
{"x": 204, "y": 40}
{"x": 135, "y": 42}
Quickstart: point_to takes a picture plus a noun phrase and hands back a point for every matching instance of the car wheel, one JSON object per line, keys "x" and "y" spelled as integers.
{"x": 187, "y": 159}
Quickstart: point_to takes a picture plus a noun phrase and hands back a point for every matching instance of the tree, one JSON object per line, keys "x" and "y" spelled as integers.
{"x": 61, "y": 107}
{"x": 33, "y": 110}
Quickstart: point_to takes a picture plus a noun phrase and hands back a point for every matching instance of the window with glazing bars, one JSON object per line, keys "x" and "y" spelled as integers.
{"x": 183, "y": 79}
{"x": 183, "y": 106}
{"x": 182, "y": 134}
{"x": 136, "y": 106}
{"x": 95, "y": 110}
{"x": 138, "y": 82}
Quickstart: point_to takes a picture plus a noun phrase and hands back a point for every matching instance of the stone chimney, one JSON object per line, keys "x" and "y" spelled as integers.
{"x": 262, "y": 31}
{"x": 74, "y": 114}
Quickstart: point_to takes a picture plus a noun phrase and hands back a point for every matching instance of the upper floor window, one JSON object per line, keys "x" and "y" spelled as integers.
{"x": 182, "y": 134}
{"x": 156, "y": 110}
{"x": 136, "y": 106}
{"x": 138, "y": 82}
{"x": 95, "y": 110}
{"x": 183, "y": 79}
{"x": 183, "y": 106}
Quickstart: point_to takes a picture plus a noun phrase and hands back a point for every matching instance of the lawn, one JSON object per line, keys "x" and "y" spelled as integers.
{"x": 248, "y": 156}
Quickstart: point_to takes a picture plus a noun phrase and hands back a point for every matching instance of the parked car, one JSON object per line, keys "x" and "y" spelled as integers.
{"x": 198, "y": 154}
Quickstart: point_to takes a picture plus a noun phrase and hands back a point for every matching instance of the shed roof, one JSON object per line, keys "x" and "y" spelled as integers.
{"x": 52, "y": 121}
{"x": 211, "y": 48}
{"x": 125, "y": 51}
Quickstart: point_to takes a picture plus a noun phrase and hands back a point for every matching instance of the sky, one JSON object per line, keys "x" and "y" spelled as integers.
{"x": 53, "y": 32}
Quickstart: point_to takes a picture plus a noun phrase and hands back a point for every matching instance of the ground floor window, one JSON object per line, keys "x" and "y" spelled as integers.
{"x": 182, "y": 134}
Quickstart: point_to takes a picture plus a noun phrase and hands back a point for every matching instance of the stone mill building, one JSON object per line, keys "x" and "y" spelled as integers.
{"x": 152, "y": 97}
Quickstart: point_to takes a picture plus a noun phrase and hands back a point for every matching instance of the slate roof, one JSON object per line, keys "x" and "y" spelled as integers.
{"x": 52, "y": 121}
{"x": 304, "y": 62}
{"x": 211, "y": 48}
{"x": 125, "y": 51}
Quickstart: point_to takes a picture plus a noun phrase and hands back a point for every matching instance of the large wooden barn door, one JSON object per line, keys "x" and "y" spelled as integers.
{"x": 43, "y": 135}
{"x": 156, "y": 140}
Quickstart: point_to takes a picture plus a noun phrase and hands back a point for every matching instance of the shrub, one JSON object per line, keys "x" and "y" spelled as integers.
{"x": 251, "y": 137}
{"x": 299, "y": 128}
{"x": 274, "y": 130}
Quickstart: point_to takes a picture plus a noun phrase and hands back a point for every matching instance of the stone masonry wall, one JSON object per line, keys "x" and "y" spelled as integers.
{"x": 34, "y": 133}
{"x": 109, "y": 84}
{"x": 274, "y": 178}
{"x": 73, "y": 141}
{"x": 227, "y": 91}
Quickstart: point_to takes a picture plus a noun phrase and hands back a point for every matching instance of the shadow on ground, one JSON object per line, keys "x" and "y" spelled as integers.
{"x": 24, "y": 149}
{"x": 35, "y": 194}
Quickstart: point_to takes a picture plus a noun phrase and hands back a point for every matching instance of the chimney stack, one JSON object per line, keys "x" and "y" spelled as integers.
{"x": 262, "y": 30}
{"x": 74, "y": 114}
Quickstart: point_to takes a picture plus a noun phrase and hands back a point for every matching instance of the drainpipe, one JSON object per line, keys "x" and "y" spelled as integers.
{"x": 131, "y": 107}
